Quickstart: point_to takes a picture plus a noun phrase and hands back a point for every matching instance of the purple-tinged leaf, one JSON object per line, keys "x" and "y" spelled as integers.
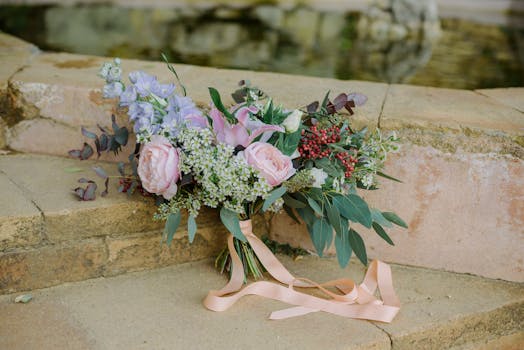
{"x": 120, "y": 188}
{"x": 359, "y": 99}
{"x": 121, "y": 136}
{"x": 100, "y": 172}
{"x": 348, "y": 106}
{"x": 132, "y": 188}
{"x": 83, "y": 180}
{"x": 79, "y": 191}
{"x": 103, "y": 129}
{"x": 340, "y": 101}
{"x": 88, "y": 134}
{"x": 75, "y": 153}
{"x": 186, "y": 179}
{"x": 114, "y": 125}
{"x": 87, "y": 152}
{"x": 97, "y": 145}
{"x": 106, "y": 183}
{"x": 312, "y": 107}
{"x": 330, "y": 107}
{"x": 121, "y": 168}
{"x": 89, "y": 193}
{"x": 104, "y": 142}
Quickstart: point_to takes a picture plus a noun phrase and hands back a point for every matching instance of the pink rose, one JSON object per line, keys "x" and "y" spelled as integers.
{"x": 158, "y": 167}
{"x": 274, "y": 166}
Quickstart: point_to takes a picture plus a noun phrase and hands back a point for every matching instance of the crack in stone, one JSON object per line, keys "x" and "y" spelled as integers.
{"x": 386, "y": 333}
{"x": 497, "y": 101}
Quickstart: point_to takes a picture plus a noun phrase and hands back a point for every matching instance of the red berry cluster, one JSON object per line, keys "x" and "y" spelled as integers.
{"x": 348, "y": 161}
{"x": 314, "y": 143}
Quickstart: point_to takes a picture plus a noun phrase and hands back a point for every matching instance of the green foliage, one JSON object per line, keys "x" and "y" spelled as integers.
{"x": 172, "y": 223}
{"x": 191, "y": 228}
{"x": 217, "y": 101}
{"x": 231, "y": 222}
{"x": 273, "y": 196}
{"x": 394, "y": 219}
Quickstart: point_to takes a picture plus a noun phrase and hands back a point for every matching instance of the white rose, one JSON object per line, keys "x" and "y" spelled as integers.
{"x": 292, "y": 122}
{"x": 320, "y": 177}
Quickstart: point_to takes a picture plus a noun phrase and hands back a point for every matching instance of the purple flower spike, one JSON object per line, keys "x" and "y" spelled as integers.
{"x": 163, "y": 90}
{"x": 128, "y": 96}
{"x": 141, "y": 110}
{"x": 143, "y": 82}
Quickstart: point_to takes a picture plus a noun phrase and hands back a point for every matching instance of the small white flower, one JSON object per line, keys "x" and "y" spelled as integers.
{"x": 320, "y": 177}
{"x": 292, "y": 122}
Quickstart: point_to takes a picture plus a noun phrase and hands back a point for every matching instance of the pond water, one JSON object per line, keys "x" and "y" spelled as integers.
{"x": 376, "y": 44}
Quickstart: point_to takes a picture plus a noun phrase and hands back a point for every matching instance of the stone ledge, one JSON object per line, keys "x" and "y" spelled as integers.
{"x": 440, "y": 310}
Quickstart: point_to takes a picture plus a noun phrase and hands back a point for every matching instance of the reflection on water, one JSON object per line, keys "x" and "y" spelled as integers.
{"x": 377, "y": 45}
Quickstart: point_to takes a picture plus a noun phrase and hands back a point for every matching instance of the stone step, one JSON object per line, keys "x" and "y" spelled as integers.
{"x": 48, "y": 236}
{"x": 162, "y": 309}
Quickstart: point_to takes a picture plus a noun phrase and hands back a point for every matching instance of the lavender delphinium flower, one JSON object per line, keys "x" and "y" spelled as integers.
{"x": 128, "y": 96}
{"x": 111, "y": 72}
{"x": 113, "y": 89}
{"x": 143, "y": 82}
{"x": 162, "y": 90}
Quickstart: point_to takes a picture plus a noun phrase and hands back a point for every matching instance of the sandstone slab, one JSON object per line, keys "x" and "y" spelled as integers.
{"x": 49, "y": 182}
{"x": 434, "y": 108}
{"x": 50, "y": 265}
{"x": 165, "y": 304}
{"x": 14, "y": 54}
{"x": 513, "y": 97}
{"x": 465, "y": 213}
{"x": 21, "y": 222}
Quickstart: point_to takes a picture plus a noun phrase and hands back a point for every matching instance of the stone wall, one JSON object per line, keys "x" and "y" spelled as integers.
{"x": 462, "y": 157}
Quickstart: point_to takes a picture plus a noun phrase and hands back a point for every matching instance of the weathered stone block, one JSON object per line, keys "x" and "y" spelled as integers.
{"x": 146, "y": 251}
{"x": 512, "y": 97}
{"x": 51, "y": 265}
{"x": 21, "y": 222}
{"x": 429, "y": 107}
{"x": 465, "y": 213}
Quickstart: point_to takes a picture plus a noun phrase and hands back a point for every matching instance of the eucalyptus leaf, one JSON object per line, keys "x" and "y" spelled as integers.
{"x": 333, "y": 216}
{"x": 292, "y": 202}
{"x": 379, "y": 173}
{"x": 217, "y": 101}
{"x": 343, "y": 248}
{"x": 172, "y": 223}
{"x": 353, "y": 208}
{"x": 357, "y": 245}
{"x": 191, "y": 228}
{"x": 289, "y": 211}
{"x": 314, "y": 205}
{"x": 307, "y": 214}
{"x": 394, "y": 219}
{"x": 231, "y": 222}
{"x": 376, "y": 216}
{"x": 382, "y": 233}
{"x": 319, "y": 235}
{"x": 273, "y": 196}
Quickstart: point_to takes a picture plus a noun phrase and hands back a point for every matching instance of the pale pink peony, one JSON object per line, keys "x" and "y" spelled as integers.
{"x": 273, "y": 165}
{"x": 158, "y": 167}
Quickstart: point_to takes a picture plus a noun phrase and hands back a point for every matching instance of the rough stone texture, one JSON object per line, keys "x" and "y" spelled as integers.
{"x": 146, "y": 252}
{"x": 465, "y": 213}
{"x": 51, "y": 265}
{"x": 434, "y": 108}
{"x": 14, "y": 54}
{"x": 20, "y": 220}
{"x": 513, "y": 97}
{"x": 165, "y": 305}
{"x": 67, "y": 218}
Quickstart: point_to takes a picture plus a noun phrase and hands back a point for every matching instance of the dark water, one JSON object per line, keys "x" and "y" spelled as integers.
{"x": 300, "y": 40}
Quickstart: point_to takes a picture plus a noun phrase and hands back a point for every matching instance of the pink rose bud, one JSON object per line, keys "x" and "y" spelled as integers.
{"x": 158, "y": 167}
{"x": 272, "y": 164}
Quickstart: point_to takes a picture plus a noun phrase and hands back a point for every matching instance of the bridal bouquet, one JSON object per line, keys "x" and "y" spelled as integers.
{"x": 252, "y": 157}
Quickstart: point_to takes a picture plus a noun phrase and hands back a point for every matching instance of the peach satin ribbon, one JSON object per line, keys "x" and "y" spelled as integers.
{"x": 356, "y": 301}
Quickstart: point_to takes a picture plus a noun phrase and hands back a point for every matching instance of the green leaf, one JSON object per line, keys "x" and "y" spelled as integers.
{"x": 268, "y": 115}
{"x": 326, "y": 99}
{"x": 354, "y": 208}
{"x": 172, "y": 69}
{"x": 191, "y": 228}
{"x": 357, "y": 245}
{"x": 307, "y": 215}
{"x": 394, "y": 219}
{"x": 333, "y": 216}
{"x": 314, "y": 205}
{"x": 88, "y": 134}
{"x": 172, "y": 223}
{"x": 321, "y": 232}
{"x": 289, "y": 211}
{"x": 292, "y": 202}
{"x": 230, "y": 220}
{"x": 72, "y": 170}
{"x": 290, "y": 143}
{"x": 388, "y": 177}
{"x": 380, "y": 231}
{"x": 217, "y": 101}
{"x": 273, "y": 196}
{"x": 343, "y": 248}
{"x": 377, "y": 217}
{"x": 329, "y": 167}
